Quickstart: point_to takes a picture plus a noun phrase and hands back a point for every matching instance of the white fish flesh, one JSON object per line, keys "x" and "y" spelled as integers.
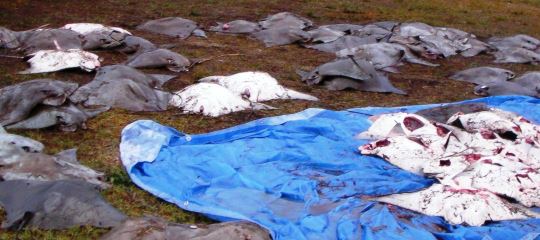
{"x": 473, "y": 207}
{"x": 502, "y": 176}
{"x": 211, "y": 100}
{"x": 480, "y": 158}
{"x": 257, "y": 87}
{"x": 55, "y": 60}
{"x": 85, "y": 28}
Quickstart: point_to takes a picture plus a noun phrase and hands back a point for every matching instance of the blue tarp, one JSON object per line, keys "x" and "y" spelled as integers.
{"x": 300, "y": 176}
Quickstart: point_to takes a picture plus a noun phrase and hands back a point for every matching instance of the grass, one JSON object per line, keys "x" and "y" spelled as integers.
{"x": 98, "y": 145}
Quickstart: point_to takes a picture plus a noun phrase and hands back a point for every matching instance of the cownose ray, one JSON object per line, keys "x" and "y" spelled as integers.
{"x": 49, "y": 39}
{"x": 134, "y": 44}
{"x": 171, "y": 26}
{"x": 285, "y": 19}
{"x": 159, "y": 58}
{"x": 516, "y": 41}
{"x": 257, "y": 87}
{"x": 236, "y": 27}
{"x": 340, "y": 74}
{"x": 528, "y": 84}
{"x": 17, "y": 101}
{"x": 516, "y": 55}
{"x": 55, "y": 205}
{"x": 67, "y": 117}
{"x": 123, "y": 87}
{"x": 483, "y": 75}
{"x": 383, "y": 55}
{"x": 344, "y": 42}
{"x": 281, "y": 36}
{"x": 325, "y": 35}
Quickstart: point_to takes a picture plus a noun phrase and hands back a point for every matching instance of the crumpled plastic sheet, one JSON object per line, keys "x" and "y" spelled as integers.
{"x": 300, "y": 176}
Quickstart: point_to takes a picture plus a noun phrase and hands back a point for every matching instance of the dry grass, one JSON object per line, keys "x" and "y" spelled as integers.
{"x": 98, "y": 146}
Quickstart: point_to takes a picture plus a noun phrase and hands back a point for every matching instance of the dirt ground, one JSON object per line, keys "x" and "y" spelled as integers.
{"x": 98, "y": 145}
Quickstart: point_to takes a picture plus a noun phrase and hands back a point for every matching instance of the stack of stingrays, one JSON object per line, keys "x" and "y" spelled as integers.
{"x": 49, "y": 191}
{"x": 364, "y": 52}
{"x": 480, "y": 158}
{"x": 218, "y": 95}
{"x": 49, "y": 49}
{"x": 385, "y": 45}
{"x": 43, "y": 103}
{"x": 407, "y": 40}
{"x": 492, "y": 81}
{"x": 57, "y": 192}
{"x": 51, "y": 102}
{"x": 278, "y": 29}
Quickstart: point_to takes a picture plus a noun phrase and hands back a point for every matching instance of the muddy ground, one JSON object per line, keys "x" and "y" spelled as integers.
{"x": 98, "y": 145}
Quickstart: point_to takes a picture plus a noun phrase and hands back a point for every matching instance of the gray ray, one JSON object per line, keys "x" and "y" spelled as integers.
{"x": 285, "y": 19}
{"x": 133, "y": 44}
{"x": 159, "y": 58}
{"x": 324, "y": 35}
{"x": 388, "y": 25}
{"x": 516, "y": 55}
{"x": 103, "y": 39}
{"x": 442, "y": 113}
{"x": 372, "y": 30}
{"x": 483, "y": 75}
{"x": 530, "y": 80}
{"x": 170, "y": 26}
{"x": 341, "y": 74}
{"x": 343, "y": 27}
{"x": 445, "y": 46}
{"x": 516, "y": 41}
{"x": 17, "y": 101}
{"x": 414, "y": 29}
{"x": 55, "y": 205}
{"x": 505, "y": 88}
{"x": 281, "y": 36}
{"x": 344, "y": 42}
{"x": 68, "y": 118}
{"x": 236, "y": 27}
{"x": 43, "y": 39}
{"x": 337, "y": 68}
{"x": 453, "y": 34}
{"x": 383, "y": 55}
{"x": 477, "y": 47}
{"x": 124, "y": 87}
